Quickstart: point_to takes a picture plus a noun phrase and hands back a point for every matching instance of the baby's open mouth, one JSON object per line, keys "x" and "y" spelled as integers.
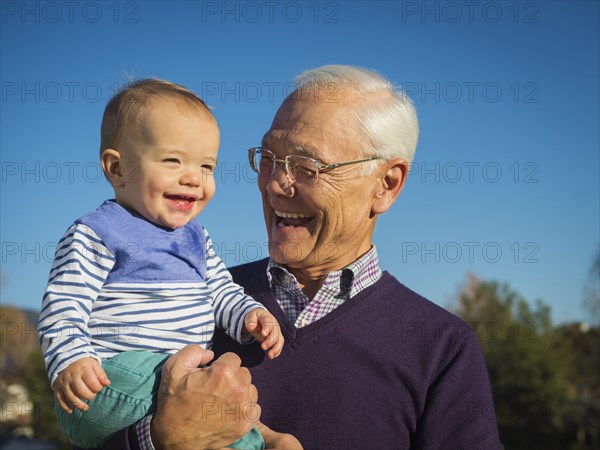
{"x": 181, "y": 199}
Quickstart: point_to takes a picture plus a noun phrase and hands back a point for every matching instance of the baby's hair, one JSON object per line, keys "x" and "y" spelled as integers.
{"x": 124, "y": 109}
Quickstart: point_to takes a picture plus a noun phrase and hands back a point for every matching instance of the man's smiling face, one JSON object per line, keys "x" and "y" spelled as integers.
{"x": 324, "y": 226}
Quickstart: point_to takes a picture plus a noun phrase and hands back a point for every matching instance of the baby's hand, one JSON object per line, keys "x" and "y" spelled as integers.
{"x": 82, "y": 379}
{"x": 261, "y": 324}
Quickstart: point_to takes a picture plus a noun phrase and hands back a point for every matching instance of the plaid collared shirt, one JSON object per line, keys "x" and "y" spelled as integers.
{"x": 142, "y": 429}
{"x": 337, "y": 288}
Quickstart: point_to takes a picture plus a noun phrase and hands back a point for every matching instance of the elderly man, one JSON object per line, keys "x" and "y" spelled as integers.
{"x": 367, "y": 363}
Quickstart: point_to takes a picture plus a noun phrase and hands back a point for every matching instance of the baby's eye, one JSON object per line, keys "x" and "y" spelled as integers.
{"x": 171, "y": 160}
{"x": 209, "y": 167}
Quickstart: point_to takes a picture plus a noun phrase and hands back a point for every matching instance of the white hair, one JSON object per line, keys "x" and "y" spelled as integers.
{"x": 387, "y": 116}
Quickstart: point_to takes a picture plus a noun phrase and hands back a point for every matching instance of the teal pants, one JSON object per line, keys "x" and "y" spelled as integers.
{"x": 134, "y": 380}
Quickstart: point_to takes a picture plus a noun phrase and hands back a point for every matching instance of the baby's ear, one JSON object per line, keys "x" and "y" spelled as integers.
{"x": 111, "y": 164}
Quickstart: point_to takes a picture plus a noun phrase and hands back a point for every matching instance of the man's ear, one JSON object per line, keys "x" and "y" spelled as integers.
{"x": 391, "y": 181}
{"x": 111, "y": 164}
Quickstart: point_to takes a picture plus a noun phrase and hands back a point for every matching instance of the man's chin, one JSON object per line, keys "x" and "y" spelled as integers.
{"x": 288, "y": 254}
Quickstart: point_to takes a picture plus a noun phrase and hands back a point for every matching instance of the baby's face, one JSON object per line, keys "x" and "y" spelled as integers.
{"x": 168, "y": 164}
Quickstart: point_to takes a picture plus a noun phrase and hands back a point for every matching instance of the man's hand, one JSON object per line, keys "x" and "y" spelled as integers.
{"x": 261, "y": 324}
{"x": 203, "y": 407}
{"x": 81, "y": 380}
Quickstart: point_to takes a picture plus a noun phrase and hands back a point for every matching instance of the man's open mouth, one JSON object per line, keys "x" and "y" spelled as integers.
{"x": 288, "y": 219}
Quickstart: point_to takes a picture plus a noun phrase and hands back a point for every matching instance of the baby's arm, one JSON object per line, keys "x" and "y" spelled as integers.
{"x": 261, "y": 324}
{"x": 81, "y": 380}
{"x": 230, "y": 303}
{"x": 80, "y": 267}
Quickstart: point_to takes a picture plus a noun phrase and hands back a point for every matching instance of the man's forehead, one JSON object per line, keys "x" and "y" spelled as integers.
{"x": 311, "y": 123}
{"x": 304, "y": 138}
{"x": 315, "y": 125}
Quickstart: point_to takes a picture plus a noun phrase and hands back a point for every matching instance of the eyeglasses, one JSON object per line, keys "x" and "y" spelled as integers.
{"x": 299, "y": 168}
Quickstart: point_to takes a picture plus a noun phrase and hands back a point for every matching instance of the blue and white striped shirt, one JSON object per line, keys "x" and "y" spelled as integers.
{"x": 119, "y": 283}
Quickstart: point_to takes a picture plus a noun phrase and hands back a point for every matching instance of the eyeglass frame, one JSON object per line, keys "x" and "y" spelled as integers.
{"x": 321, "y": 168}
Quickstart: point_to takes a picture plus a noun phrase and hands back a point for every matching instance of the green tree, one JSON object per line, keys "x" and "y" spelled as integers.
{"x": 581, "y": 343}
{"x": 527, "y": 370}
{"x": 581, "y": 412}
{"x": 22, "y": 363}
{"x": 591, "y": 299}
{"x": 17, "y": 340}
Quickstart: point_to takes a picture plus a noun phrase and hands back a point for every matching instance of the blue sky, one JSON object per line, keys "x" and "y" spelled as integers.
{"x": 505, "y": 183}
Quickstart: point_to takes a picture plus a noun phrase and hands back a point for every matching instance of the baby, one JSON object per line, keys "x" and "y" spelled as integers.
{"x": 137, "y": 279}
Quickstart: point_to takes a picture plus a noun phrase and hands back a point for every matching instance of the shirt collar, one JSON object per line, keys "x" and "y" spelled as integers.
{"x": 354, "y": 277}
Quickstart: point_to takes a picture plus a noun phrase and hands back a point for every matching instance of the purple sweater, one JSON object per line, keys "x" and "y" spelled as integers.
{"x": 388, "y": 369}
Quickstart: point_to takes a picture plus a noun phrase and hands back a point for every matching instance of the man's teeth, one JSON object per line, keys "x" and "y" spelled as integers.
{"x": 287, "y": 219}
{"x": 285, "y": 215}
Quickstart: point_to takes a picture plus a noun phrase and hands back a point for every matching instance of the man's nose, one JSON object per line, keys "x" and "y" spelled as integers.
{"x": 280, "y": 181}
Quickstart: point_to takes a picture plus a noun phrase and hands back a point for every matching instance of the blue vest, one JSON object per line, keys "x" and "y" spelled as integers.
{"x": 144, "y": 252}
